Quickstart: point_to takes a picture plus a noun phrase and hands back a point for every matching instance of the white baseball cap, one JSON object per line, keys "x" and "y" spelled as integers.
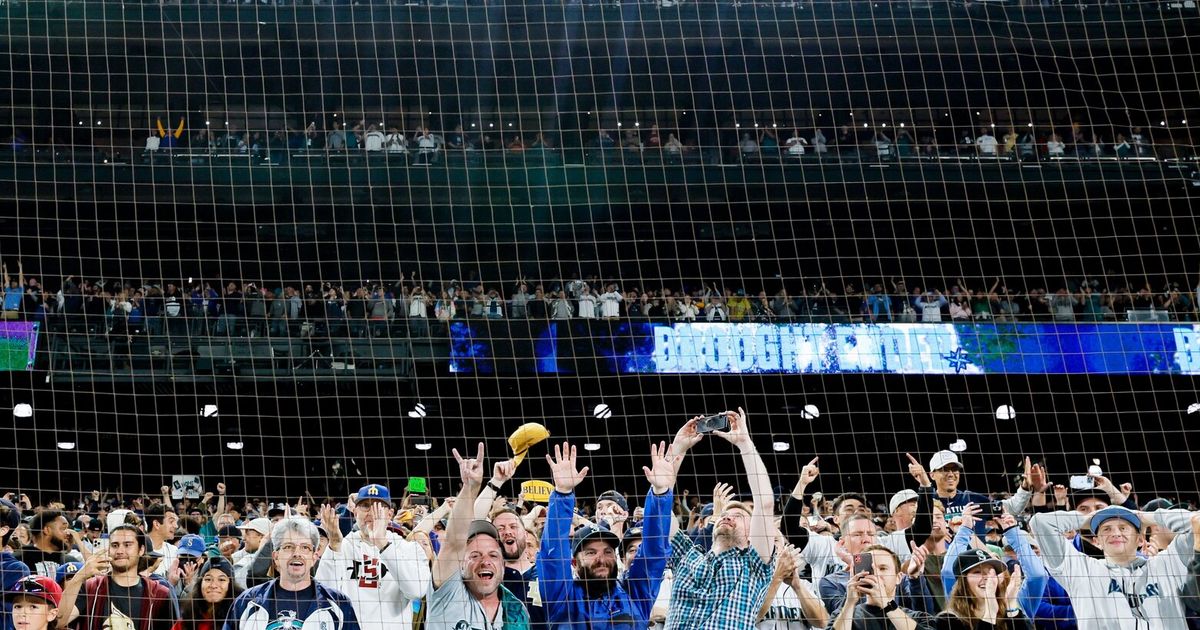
{"x": 900, "y": 498}
{"x": 941, "y": 459}
{"x": 260, "y": 525}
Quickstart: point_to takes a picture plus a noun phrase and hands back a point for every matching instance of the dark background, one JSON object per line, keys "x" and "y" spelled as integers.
{"x": 701, "y": 72}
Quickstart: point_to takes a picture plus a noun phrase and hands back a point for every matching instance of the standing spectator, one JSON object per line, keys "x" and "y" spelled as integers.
{"x": 1055, "y": 148}
{"x": 293, "y": 599}
{"x": 493, "y": 305}
{"x": 114, "y": 594}
{"x": 51, "y": 543}
{"x": 560, "y": 306}
{"x": 945, "y": 473}
{"x": 208, "y": 602}
{"x": 12, "y": 570}
{"x": 596, "y": 596}
{"x": 725, "y": 587}
{"x": 373, "y": 140}
{"x": 277, "y": 318}
{"x": 1122, "y": 589}
{"x": 739, "y": 306}
{"x": 255, "y": 309}
{"x": 520, "y": 568}
{"x": 1062, "y": 306}
{"x": 161, "y": 523}
{"x": 519, "y": 304}
{"x": 230, "y": 311}
{"x": 796, "y": 145}
{"x": 986, "y": 143}
{"x": 981, "y": 597}
{"x": 688, "y": 311}
{"x": 929, "y": 304}
{"x": 790, "y": 601}
{"x": 610, "y": 302}
{"x": 871, "y": 598}
{"x": 715, "y": 310}
{"x": 14, "y": 291}
{"x": 254, "y": 533}
{"x": 174, "y": 304}
{"x": 467, "y": 575}
{"x": 587, "y": 303}
{"x": 380, "y": 572}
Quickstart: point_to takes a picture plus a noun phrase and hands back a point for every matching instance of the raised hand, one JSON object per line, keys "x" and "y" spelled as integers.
{"x": 379, "y": 522}
{"x": 470, "y": 470}
{"x": 1061, "y": 495}
{"x": 220, "y": 488}
{"x": 331, "y": 522}
{"x": 562, "y": 468}
{"x": 917, "y": 471}
{"x": 722, "y": 495}
{"x": 1034, "y": 476}
{"x": 662, "y": 470}
{"x": 916, "y": 564}
{"x": 808, "y": 474}
{"x": 970, "y": 515}
{"x": 739, "y": 430}
{"x": 1014, "y": 587}
{"x": 1006, "y": 521}
{"x": 686, "y": 437}
{"x": 503, "y": 472}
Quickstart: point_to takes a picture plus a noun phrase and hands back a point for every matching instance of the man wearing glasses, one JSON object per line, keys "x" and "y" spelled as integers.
{"x": 292, "y": 600}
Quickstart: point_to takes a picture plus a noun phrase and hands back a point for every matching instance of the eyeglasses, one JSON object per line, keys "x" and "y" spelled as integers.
{"x": 290, "y": 548}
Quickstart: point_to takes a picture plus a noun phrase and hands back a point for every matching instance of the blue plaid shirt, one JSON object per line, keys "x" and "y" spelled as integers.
{"x": 716, "y": 590}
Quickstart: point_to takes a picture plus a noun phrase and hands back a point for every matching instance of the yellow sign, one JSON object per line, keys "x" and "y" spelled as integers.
{"x": 537, "y": 491}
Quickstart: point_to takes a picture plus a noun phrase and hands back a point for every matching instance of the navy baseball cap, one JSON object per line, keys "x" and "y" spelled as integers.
{"x": 10, "y": 514}
{"x": 1109, "y": 513}
{"x": 374, "y": 492}
{"x": 66, "y": 570}
{"x": 590, "y": 533}
{"x": 230, "y": 531}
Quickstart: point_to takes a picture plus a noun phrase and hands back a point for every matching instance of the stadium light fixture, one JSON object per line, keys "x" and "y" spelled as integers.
{"x": 602, "y": 412}
{"x": 66, "y": 446}
{"x": 235, "y": 446}
{"x": 780, "y": 446}
{"x": 810, "y": 412}
{"x": 591, "y": 446}
{"x": 423, "y": 446}
{"x": 208, "y": 411}
{"x": 1193, "y": 408}
{"x": 418, "y": 411}
{"x": 1005, "y": 412}
{"x": 23, "y": 410}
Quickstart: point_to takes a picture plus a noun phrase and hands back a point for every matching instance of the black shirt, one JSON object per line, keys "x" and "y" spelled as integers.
{"x": 42, "y": 562}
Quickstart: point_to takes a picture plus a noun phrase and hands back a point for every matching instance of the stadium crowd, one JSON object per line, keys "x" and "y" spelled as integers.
{"x": 935, "y": 555}
{"x": 630, "y": 144}
{"x": 380, "y": 309}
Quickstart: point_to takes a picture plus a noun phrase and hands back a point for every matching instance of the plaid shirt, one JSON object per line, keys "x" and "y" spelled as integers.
{"x": 722, "y": 590}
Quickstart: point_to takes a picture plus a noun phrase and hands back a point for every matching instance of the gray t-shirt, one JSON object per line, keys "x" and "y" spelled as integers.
{"x": 451, "y": 607}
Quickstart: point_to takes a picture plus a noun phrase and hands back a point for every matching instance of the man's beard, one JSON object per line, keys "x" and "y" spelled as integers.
{"x": 514, "y": 555}
{"x": 598, "y": 586}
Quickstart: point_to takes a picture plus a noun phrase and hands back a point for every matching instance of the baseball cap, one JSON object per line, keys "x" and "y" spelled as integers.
{"x": 634, "y": 533}
{"x": 480, "y": 526}
{"x": 191, "y": 545}
{"x": 593, "y": 532}
{"x": 615, "y": 497}
{"x": 525, "y": 437}
{"x": 66, "y": 570}
{"x": 229, "y": 531}
{"x": 219, "y": 563}
{"x": 941, "y": 459}
{"x": 374, "y": 492}
{"x": 1158, "y": 504}
{"x": 38, "y": 586}
{"x": 706, "y": 509}
{"x": 900, "y": 498}
{"x": 1110, "y": 513}
{"x": 260, "y": 525}
{"x": 976, "y": 558}
{"x": 94, "y": 525}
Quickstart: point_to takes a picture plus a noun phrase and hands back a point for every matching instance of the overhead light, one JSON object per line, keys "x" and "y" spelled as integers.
{"x": 1005, "y": 412}
{"x": 810, "y": 412}
{"x": 235, "y": 446}
{"x": 423, "y": 446}
{"x": 25, "y": 410}
{"x": 591, "y": 446}
{"x": 602, "y": 412}
{"x": 1193, "y": 408}
{"x": 885, "y": 125}
{"x": 66, "y": 446}
{"x": 958, "y": 446}
{"x": 418, "y": 411}
{"x": 208, "y": 411}
{"x": 780, "y": 446}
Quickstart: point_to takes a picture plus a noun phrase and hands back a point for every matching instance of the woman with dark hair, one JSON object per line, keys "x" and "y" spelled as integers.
{"x": 985, "y": 595}
{"x": 209, "y": 598}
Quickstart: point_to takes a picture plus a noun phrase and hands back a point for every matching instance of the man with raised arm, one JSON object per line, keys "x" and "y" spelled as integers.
{"x": 725, "y": 588}
{"x": 596, "y": 599}
{"x": 1124, "y": 590}
{"x": 469, "y": 570}
{"x": 377, "y": 569}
